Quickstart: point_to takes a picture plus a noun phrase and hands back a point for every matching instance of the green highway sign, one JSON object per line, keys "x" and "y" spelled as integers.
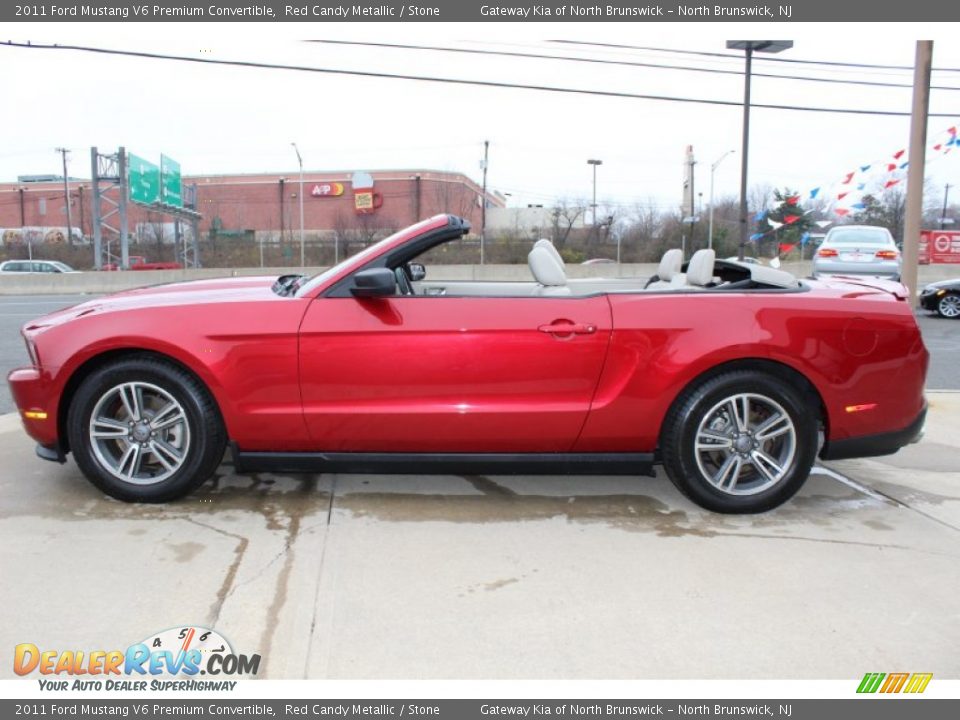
{"x": 144, "y": 179}
{"x": 170, "y": 185}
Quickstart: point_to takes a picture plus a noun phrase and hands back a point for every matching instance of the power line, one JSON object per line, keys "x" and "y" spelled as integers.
{"x": 455, "y": 81}
{"x": 730, "y": 56}
{"x": 627, "y": 63}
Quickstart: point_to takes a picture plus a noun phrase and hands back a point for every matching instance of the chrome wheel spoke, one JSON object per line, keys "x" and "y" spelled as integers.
{"x": 167, "y": 417}
{"x": 131, "y": 399}
{"x": 109, "y": 428}
{"x": 766, "y": 465}
{"x": 774, "y": 426}
{"x": 712, "y": 440}
{"x": 168, "y": 456}
{"x": 131, "y": 457}
{"x": 729, "y": 472}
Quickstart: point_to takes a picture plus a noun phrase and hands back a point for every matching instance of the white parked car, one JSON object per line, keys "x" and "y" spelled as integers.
{"x": 35, "y": 266}
{"x": 857, "y": 250}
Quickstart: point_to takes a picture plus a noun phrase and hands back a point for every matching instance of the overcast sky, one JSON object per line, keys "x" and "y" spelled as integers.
{"x": 229, "y": 120}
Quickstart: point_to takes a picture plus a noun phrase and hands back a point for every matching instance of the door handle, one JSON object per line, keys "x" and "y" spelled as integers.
{"x": 567, "y": 327}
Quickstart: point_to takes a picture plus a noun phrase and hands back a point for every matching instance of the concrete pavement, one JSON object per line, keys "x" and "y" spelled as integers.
{"x": 365, "y": 576}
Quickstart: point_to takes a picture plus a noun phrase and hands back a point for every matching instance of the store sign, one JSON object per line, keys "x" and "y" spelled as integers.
{"x": 327, "y": 190}
{"x": 940, "y": 246}
{"x": 363, "y": 201}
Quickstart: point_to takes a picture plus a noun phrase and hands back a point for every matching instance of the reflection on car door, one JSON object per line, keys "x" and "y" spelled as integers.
{"x": 451, "y": 374}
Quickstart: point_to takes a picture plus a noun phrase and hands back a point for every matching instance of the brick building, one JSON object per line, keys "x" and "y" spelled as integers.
{"x": 268, "y": 204}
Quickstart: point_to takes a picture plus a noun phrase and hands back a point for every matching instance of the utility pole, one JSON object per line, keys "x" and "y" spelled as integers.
{"x": 943, "y": 215}
{"x": 66, "y": 194}
{"x": 483, "y": 201}
{"x": 713, "y": 170}
{"x": 918, "y": 141}
{"x": 300, "y": 160}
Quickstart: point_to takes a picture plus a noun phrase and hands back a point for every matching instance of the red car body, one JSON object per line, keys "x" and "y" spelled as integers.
{"x": 139, "y": 262}
{"x": 318, "y": 373}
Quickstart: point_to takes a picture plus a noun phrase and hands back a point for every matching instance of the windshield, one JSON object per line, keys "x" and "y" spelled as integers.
{"x": 862, "y": 236}
{"x": 359, "y": 259}
{"x": 63, "y": 267}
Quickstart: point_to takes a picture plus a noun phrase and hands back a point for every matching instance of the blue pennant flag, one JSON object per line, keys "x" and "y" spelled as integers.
{"x": 804, "y": 238}
{"x": 864, "y": 168}
{"x": 861, "y": 186}
{"x": 756, "y": 236}
{"x": 858, "y": 206}
{"x": 760, "y": 216}
{"x": 813, "y": 193}
{"x": 904, "y": 165}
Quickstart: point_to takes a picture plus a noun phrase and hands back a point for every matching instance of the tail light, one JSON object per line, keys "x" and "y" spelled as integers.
{"x": 826, "y": 252}
{"x": 887, "y": 254}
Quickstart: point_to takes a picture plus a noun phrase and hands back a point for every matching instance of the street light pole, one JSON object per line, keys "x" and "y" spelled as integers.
{"x": 713, "y": 169}
{"x": 66, "y": 195}
{"x": 593, "y": 206}
{"x": 302, "y": 248}
{"x": 946, "y": 194}
{"x": 750, "y": 47}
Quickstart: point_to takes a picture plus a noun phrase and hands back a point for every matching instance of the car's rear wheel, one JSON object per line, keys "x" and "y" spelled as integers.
{"x": 740, "y": 442}
{"x": 144, "y": 430}
{"x": 949, "y": 306}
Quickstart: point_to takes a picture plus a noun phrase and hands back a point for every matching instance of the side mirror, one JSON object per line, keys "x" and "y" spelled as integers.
{"x": 417, "y": 271}
{"x": 375, "y": 282}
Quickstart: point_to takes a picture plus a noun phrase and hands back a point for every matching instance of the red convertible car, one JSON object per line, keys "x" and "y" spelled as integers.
{"x": 735, "y": 377}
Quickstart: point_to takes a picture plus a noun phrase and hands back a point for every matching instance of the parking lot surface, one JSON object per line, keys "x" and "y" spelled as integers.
{"x": 364, "y": 576}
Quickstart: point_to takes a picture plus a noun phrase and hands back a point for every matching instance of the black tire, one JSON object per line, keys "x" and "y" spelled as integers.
{"x": 948, "y": 306}
{"x": 757, "y": 490}
{"x": 198, "y": 435}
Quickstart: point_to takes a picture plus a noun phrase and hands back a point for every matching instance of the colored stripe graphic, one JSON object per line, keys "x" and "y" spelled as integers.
{"x": 870, "y": 682}
{"x": 918, "y": 682}
{"x": 894, "y": 683}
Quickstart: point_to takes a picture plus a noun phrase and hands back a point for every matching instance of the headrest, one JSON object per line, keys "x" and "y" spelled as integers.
{"x": 545, "y": 268}
{"x": 700, "y": 269}
{"x": 543, "y": 242}
{"x": 670, "y": 264}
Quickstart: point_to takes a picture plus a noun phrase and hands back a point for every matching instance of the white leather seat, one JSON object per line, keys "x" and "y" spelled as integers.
{"x": 669, "y": 271}
{"x": 700, "y": 269}
{"x": 548, "y": 272}
{"x": 543, "y": 242}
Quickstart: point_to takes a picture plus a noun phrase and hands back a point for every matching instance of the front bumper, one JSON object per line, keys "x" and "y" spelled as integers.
{"x": 32, "y": 393}
{"x": 875, "y": 445}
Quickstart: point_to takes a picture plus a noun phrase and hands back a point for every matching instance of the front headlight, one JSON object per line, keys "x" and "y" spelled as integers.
{"x": 31, "y": 350}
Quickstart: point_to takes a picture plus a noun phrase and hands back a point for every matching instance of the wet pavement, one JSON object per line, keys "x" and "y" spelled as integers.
{"x": 372, "y": 576}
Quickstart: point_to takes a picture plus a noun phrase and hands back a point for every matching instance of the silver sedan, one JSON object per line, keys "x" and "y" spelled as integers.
{"x": 857, "y": 250}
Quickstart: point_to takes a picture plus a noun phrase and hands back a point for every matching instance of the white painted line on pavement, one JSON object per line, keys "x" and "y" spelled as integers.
{"x": 819, "y": 470}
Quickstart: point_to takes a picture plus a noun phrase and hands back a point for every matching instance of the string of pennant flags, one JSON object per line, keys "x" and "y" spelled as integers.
{"x": 846, "y": 195}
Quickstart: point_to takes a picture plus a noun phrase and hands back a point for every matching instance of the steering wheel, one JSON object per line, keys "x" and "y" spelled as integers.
{"x": 403, "y": 282}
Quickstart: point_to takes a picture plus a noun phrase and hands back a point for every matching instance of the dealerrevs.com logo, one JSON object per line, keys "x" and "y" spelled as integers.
{"x": 894, "y": 682}
{"x": 173, "y": 659}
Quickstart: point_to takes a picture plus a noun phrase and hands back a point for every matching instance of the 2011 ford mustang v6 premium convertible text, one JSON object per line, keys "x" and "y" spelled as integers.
{"x": 735, "y": 377}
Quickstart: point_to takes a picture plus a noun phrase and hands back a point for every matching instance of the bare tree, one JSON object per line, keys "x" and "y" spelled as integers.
{"x": 565, "y": 216}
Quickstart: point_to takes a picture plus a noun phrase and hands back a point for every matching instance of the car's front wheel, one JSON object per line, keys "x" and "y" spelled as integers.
{"x": 144, "y": 430}
{"x": 949, "y": 306}
{"x": 740, "y": 442}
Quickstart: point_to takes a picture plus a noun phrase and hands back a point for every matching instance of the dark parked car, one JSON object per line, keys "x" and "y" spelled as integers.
{"x": 942, "y": 298}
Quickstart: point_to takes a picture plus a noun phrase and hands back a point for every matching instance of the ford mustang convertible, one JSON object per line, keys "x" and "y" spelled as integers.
{"x": 734, "y": 377}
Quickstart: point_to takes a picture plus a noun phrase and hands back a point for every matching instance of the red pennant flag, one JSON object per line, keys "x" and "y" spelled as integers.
{"x": 938, "y": 146}
{"x": 791, "y": 219}
{"x": 952, "y": 131}
{"x": 848, "y": 178}
{"x": 786, "y": 248}
{"x": 841, "y": 211}
{"x": 793, "y": 200}
{"x": 891, "y": 167}
{"x": 890, "y": 184}
{"x": 842, "y": 195}
{"x": 897, "y": 155}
